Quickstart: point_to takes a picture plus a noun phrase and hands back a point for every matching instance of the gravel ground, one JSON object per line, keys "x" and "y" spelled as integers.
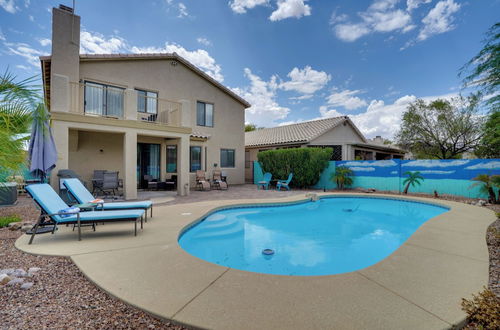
{"x": 61, "y": 297}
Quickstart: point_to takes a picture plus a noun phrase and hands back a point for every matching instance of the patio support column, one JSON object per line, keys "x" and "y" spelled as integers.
{"x": 130, "y": 165}
{"x": 183, "y": 166}
{"x": 60, "y": 133}
{"x": 130, "y": 111}
{"x": 163, "y": 161}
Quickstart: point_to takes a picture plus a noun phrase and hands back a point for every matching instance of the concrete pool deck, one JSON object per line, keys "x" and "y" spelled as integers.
{"x": 419, "y": 286}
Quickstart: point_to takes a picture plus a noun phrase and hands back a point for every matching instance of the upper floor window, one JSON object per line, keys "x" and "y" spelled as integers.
{"x": 147, "y": 101}
{"x": 103, "y": 100}
{"x": 204, "y": 114}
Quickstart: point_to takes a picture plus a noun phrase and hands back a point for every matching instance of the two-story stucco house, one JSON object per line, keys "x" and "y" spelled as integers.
{"x": 139, "y": 114}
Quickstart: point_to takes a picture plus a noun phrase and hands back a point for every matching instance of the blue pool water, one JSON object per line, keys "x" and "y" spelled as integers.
{"x": 330, "y": 236}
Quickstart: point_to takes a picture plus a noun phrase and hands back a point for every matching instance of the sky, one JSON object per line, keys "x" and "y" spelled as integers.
{"x": 293, "y": 60}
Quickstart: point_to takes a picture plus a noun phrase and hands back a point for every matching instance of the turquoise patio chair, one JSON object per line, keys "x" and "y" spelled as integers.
{"x": 266, "y": 181}
{"x": 284, "y": 183}
{"x": 83, "y": 196}
{"x": 52, "y": 205}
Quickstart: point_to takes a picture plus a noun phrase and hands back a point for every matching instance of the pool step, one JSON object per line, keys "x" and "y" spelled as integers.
{"x": 226, "y": 233}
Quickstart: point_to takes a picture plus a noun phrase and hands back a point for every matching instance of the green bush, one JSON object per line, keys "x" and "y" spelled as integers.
{"x": 4, "y": 221}
{"x": 306, "y": 164}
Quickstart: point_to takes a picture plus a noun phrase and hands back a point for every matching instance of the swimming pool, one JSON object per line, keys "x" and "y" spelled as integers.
{"x": 331, "y": 236}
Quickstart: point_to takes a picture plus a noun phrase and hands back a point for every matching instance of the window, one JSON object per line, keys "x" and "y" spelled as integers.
{"x": 248, "y": 162}
{"x": 227, "y": 158}
{"x": 171, "y": 159}
{"x": 204, "y": 114}
{"x": 195, "y": 159}
{"x": 147, "y": 101}
{"x": 103, "y": 100}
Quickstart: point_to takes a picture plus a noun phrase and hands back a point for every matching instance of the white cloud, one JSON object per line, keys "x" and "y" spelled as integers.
{"x": 265, "y": 111}
{"x": 2, "y": 37}
{"x": 183, "y": 12}
{"x": 347, "y": 99}
{"x": 305, "y": 81}
{"x": 31, "y": 18}
{"x": 204, "y": 41}
{"x": 434, "y": 163}
{"x": 23, "y": 67}
{"x": 290, "y": 8}
{"x": 350, "y": 32}
{"x": 241, "y": 6}
{"x": 439, "y": 19}
{"x": 361, "y": 169}
{"x": 436, "y": 172}
{"x": 381, "y": 16}
{"x": 9, "y": 6}
{"x": 29, "y": 53}
{"x": 490, "y": 165}
{"x": 378, "y": 163}
{"x": 414, "y": 4}
{"x": 45, "y": 42}
{"x": 328, "y": 113}
{"x": 96, "y": 43}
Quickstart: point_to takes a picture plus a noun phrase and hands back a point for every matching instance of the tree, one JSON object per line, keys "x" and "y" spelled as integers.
{"x": 342, "y": 177}
{"x": 483, "y": 70}
{"x": 486, "y": 183}
{"x": 18, "y": 99}
{"x": 413, "y": 179}
{"x": 250, "y": 127}
{"x": 489, "y": 147}
{"x": 442, "y": 129}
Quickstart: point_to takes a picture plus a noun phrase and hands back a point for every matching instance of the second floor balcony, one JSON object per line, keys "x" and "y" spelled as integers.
{"x": 98, "y": 99}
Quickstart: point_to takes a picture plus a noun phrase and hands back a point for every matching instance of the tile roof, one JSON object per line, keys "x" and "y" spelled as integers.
{"x": 295, "y": 133}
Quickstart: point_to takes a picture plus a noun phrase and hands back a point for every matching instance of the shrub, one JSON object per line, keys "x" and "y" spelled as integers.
{"x": 4, "y": 221}
{"x": 483, "y": 310}
{"x": 306, "y": 164}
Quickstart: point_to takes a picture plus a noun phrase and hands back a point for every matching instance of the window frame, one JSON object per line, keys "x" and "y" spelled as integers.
{"x": 234, "y": 158}
{"x": 146, "y": 101}
{"x": 105, "y": 98}
{"x": 191, "y": 170}
{"x": 204, "y": 124}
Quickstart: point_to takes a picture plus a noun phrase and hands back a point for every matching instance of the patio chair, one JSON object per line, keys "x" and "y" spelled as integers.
{"x": 83, "y": 196}
{"x": 218, "y": 181}
{"x": 97, "y": 180}
{"x": 201, "y": 181}
{"x": 52, "y": 205}
{"x": 150, "y": 182}
{"x": 265, "y": 182}
{"x": 284, "y": 183}
{"x": 110, "y": 182}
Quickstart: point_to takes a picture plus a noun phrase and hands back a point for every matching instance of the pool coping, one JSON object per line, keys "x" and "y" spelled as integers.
{"x": 210, "y": 282}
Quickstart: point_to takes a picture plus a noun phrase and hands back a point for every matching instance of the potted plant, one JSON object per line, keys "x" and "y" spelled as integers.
{"x": 487, "y": 184}
{"x": 17, "y": 102}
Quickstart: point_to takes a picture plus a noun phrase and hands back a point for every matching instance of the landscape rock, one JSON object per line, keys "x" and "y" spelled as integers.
{"x": 19, "y": 273}
{"x": 26, "y": 285}
{"x": 4, "y": 279}
{"x": 34, "y": 270}
{"x": 15, "y": 281}
{"x": 7, "y": 271}
{"x": 15, "y": 225}
{"x": 26, "y": 228}
{"x": 481, "y": 202}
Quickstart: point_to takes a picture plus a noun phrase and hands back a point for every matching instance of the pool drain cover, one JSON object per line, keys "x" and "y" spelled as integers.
{"x": 267, "y": 252}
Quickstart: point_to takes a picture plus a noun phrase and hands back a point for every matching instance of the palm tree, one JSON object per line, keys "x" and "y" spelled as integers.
{"x": 487, "y": 182}
{"x": 342, "y": 177}
{"x": 18, "y": 100}
{"x": 413, "y": 179}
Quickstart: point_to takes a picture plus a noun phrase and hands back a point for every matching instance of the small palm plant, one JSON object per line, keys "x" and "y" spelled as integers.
{"x": 413, "y": 179}
{"x": 487, "y": 184}
{"x": 343, "y": 176}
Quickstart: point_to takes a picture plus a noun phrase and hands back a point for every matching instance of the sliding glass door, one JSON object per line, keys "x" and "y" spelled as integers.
{"x": 148, "y": 163}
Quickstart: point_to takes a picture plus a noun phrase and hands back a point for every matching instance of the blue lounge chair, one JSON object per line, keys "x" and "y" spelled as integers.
{"x": 82, "y": 195}
{"x": 284, "y": 183}
{"x": 51, "y": 205}
{"x": 266, "y": 181}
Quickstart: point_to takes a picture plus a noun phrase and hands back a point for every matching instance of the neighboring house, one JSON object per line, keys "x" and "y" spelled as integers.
{"x": 338, "y": 133}
{"x": 139, "y": 114}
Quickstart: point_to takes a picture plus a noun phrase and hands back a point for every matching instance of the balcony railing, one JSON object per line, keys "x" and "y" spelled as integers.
{"x": 110, "y": 101}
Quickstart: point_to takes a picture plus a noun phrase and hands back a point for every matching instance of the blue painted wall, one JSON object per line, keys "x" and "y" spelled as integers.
{"x": 451, "y": 176}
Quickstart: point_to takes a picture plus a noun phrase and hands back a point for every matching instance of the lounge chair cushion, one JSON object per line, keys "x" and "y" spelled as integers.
{"x": 51, "y": 203}
{"x": 82, "y": 195}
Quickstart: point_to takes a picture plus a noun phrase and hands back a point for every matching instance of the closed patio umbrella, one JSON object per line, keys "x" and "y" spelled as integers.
{"x": 42, "y": 151}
